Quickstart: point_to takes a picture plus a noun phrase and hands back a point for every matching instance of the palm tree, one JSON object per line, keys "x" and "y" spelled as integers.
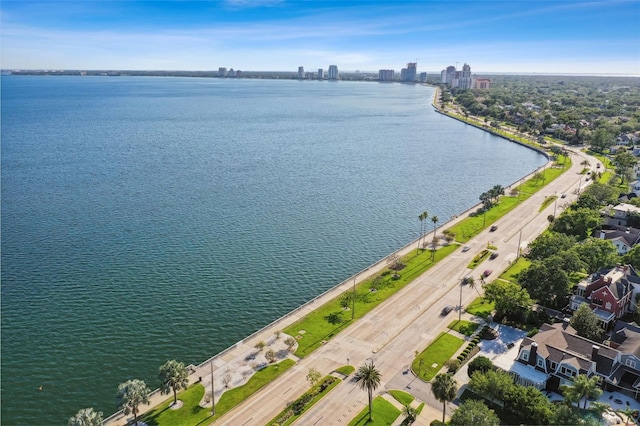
{"x": 368, "y": 378}
{"x": 585, "y": 388}
{"x": 444, "y": 388}
{"x": 86, "y": 417}
{"x": 173, "y": 375}
{"x": 422, "y": 216}
{"x": 131, "y": 394}
{"x": 434, "y": 219}
{"x": 409, "y": 414}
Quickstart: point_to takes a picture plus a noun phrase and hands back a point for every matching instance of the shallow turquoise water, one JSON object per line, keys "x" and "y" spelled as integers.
{"x": 145, "y": 219}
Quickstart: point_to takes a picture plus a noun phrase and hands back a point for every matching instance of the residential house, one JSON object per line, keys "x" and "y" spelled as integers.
{"x": 609, "y": 293}
{"x": 619, "y": 215}
{"x": 561, "y": 354}
{"x": 623, "y": 240}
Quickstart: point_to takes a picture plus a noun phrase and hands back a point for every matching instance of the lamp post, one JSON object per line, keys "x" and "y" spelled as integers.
{"x": 555, "y": 204}
{"x": 519, "y": 240}
{"x": 460, "y": 305}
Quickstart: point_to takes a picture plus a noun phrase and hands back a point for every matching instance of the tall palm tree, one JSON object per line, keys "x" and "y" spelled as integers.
{"x": 131, "y": 394}
{"x": 368, "y": 378}
{"x": 421, "y": 217}
{"x": 444, "y": 388}
{"x": 86, "y": 417}
{"x": 173, "y": 375}
{"x": 434, "y": 219}
{"x": 586, "y": 387}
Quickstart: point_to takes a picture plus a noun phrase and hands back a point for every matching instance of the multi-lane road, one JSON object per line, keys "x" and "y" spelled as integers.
{"x": 390, "y": 334}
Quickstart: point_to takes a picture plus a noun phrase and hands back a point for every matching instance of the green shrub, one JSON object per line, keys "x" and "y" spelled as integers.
{"x": 452, "y": 365}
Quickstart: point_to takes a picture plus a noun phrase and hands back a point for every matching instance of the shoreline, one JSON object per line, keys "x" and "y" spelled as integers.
{"x": 266, "y": 332}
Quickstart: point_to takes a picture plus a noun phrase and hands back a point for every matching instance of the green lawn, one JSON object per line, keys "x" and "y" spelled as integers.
{"x": 317, "y": 325}
{"x": 383, "y": 414}
{"x": 402, "y": 397}
{"x": 191, "y": 414}
{"x": 435, "y": 355}
{"x": 511, "y": 274}
{"x": 346, "y": 370}
{"x": 480, "y": 307}
{"x": 465, "y": 327}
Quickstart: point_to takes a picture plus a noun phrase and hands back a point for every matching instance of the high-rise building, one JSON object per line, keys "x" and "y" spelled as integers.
{"x": 423, "y": 77}
{"x": 386, "y": 75}
{"x": 464, "y": 81}
{"x": 300, "y": 73}
{"x": 412, "y": 72}
{"x": 222, "y": 72}
{"x": 333, "y": 72}
{"x": 320, "y": 74}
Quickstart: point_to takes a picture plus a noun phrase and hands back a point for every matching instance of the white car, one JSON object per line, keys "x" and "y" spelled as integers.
{"x": 466, "y": 248}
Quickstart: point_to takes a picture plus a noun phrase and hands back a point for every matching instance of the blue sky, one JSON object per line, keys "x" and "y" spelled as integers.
{"x": 600, "y": 37}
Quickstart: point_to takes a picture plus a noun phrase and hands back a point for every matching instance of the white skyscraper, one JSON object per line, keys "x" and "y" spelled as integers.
{"x": 333, "y": 72}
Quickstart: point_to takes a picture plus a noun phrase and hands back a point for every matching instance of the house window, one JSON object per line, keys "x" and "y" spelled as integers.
{"x": 553, "y": 365}
{"x": 567, "y": 371}
{"x": 608, "y": 305}
{"x": 630, "y": 363}
{"x": 525, "y": 355}
{"x": 540, "y": 363}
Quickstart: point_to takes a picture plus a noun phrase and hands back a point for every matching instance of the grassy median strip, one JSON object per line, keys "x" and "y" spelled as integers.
{"x": 384, "y": 413}
{"x": 430, "y": 361}
{"x": 298, "y": 407}
{"x": 402, "y": 397}
{"x": 329, "y": 319}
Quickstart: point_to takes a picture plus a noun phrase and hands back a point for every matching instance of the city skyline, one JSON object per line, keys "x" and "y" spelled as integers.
{"x": 276, "y": 35}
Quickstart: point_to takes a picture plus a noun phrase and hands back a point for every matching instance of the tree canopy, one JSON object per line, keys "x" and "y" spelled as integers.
{"x": 509, "y": 298}
{"x": 586, "y": 323}
{"x": 472, "y": 412}
{"x": 173, "y": 376}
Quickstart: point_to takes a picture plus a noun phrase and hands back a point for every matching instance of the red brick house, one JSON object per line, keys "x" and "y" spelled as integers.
{"x": 609, "y": 293}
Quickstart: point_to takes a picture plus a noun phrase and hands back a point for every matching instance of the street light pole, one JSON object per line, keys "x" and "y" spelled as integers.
{"x": 519, "y": 240}
{"x": 460, "y": 306}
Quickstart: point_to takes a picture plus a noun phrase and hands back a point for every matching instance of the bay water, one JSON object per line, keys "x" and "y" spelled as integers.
{"x": 146, "y": 219}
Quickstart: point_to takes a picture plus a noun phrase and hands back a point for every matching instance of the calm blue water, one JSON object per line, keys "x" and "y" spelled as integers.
{"x": 145, "y": 219}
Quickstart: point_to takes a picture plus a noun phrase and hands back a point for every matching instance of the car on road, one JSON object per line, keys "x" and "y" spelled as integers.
{"x": 493, "y": 228}
{"x": 493, "y": 255}
{"x": 466, "y": 248}
{"x": 563, "y": 196}
{"x": 487, "y": 272}
{"x": 446, "y": 310}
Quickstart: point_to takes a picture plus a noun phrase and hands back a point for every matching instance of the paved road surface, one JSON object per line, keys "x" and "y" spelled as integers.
{"x": 390, "y": 334}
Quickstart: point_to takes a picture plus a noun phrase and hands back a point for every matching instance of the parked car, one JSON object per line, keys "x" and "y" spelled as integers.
{"x": 446, "y": 310}
{"x": 466, "y": 248}
{"x": 493, "y": 255}
{"x": 493, "y": 228}
{"x": 487, "y": 272}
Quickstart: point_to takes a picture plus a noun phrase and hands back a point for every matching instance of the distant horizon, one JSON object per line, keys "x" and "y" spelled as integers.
{"x": 479, "y": 73}
{"x": 527, "y": 37}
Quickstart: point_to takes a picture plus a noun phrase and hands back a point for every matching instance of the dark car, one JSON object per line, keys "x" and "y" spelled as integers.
{"x": 563, "y": 196}
{"x": 487, "y": 272}
{"x": 493, "y": 255}
{"x": 446, "y": 310}
{"x": 493, "y": 228}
